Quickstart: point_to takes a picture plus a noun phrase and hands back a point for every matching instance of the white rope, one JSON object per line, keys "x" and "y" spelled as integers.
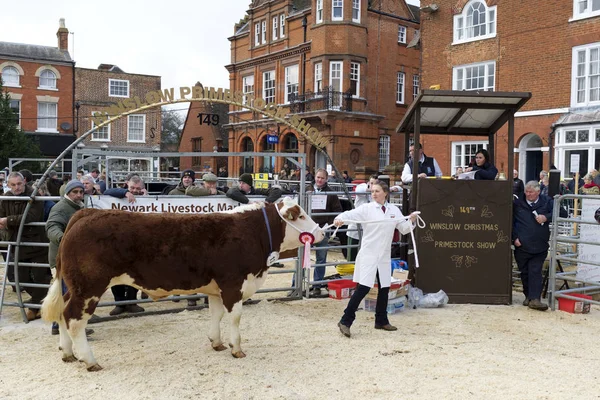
{"x": 419, "y": 223}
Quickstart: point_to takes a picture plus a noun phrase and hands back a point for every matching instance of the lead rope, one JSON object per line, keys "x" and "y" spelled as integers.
{"x": 419, "y": 223}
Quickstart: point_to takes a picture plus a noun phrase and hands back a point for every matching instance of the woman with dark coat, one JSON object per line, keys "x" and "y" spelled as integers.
{"x": 485, "y": 169}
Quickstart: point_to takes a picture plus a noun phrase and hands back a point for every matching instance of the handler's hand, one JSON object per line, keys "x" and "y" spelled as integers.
{"x": 338, "y": 222}
{"x": 517, "y": 243}
{"x": 130, "y": 197}
{"x": 413, "y": 217}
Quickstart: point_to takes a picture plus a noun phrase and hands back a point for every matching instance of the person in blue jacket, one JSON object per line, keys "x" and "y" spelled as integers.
{"x": 532, "y": 214}
{"x": 485, "y": 169}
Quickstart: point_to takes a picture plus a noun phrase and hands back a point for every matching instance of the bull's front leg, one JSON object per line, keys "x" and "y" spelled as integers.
{"x": 215, "y": 305}
{"x": 235, "y": 339}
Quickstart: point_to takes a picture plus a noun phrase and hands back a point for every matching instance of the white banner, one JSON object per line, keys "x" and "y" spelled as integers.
{"x": 153, "y": 204}
{"x": 589, "y": 233}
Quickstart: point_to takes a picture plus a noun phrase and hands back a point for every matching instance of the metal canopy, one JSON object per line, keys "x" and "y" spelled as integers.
{"x": 451, "y": 112}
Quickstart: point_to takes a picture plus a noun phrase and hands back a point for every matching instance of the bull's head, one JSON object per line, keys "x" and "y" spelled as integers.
{"x": 297, "y": 223}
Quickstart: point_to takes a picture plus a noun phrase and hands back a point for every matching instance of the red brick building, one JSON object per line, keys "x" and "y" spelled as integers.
{"x": 95, "y": 91}
{"x": 551, "y": 50}
{"x": 40, "y": 82}
{"x": 343, "y": 65}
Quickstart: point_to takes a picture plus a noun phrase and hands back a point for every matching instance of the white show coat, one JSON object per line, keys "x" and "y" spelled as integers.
{"x": 374, "y": 253}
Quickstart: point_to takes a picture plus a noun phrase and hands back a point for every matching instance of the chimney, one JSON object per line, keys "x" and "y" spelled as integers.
{"x": 63, "y": 36}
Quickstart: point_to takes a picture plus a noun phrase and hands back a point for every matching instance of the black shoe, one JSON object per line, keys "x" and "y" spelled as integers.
{"x": 386, "y": 327}
{"x": 526, "y": 302}
{"x": 344, "y": 329}
{"x": 88, "y": 331}
{"x": 94, "y": 318}
{"x": 277, "y": 265}
{"x": 134, "y": 308}
{"x": 118, "y": 310}
{"x": 536, "y": 304}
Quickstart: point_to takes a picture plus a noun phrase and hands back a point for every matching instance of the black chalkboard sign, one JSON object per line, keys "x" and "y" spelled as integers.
{"x": 465, "y": 247}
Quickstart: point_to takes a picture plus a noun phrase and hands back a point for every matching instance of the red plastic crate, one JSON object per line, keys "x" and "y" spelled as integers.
{"x": 342, "y": 289}
{"x": 574, "y": 306}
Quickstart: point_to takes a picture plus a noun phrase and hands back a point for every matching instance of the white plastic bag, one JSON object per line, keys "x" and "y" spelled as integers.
{"x": 432, "y": 300}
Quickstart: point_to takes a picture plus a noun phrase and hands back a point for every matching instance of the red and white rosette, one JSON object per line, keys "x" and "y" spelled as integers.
{"x": 307, "y": 239}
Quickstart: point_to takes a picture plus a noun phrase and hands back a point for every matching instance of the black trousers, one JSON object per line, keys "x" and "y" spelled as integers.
{"x": 358, "y": 295}
{"x": 531, "y": 266}
{"x": 124, "y": 292}
{"x": 33, "y": 275}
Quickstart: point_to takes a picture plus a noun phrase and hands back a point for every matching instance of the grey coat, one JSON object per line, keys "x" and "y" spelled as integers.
{"x": 57, "y": 222}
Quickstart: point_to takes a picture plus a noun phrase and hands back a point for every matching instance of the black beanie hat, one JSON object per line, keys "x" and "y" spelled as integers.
{"x": 190, "y": 173}
{"x": 246, "y": 178}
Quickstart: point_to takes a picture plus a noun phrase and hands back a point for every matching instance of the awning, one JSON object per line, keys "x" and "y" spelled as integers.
{"x": 579, "y": 117}
{"x": 51, "y": 144}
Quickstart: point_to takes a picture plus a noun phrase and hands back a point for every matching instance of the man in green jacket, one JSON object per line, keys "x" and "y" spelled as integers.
{"x": 187, "y": 180}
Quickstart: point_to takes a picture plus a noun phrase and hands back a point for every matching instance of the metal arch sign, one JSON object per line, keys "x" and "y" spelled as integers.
{"x": 186, "y": 94}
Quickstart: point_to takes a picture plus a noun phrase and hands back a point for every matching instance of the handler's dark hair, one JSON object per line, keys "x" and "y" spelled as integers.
{"x": 485, "y": 154}
{"x": 384, "y": 186}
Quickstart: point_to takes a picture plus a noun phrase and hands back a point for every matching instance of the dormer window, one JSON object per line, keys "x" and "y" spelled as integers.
{"x": 476, "y": 22}
{"x": 47, "y": 79}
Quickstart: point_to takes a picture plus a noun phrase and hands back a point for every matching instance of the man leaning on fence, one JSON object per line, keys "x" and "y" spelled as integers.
{"x": 532, "y": 214}
{"x": 11, "y": 215}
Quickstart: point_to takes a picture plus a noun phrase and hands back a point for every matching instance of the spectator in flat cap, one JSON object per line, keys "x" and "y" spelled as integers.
{"x": 209, "y": 187}
{"x": 245, "y": 188}
{"x": 188, "y": 177}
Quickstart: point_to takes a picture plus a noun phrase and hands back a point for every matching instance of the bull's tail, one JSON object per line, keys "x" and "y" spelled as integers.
{"x": 54, "y": 304}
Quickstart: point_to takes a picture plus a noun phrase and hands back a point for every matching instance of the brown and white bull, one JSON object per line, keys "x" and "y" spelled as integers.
{"x": 223, "y": 255}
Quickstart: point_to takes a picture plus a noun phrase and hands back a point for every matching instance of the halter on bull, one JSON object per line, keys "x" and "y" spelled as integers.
{"x": 222, "y": 255}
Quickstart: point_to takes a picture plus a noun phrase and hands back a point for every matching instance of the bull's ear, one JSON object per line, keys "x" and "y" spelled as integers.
{"x": 288, "y": 201}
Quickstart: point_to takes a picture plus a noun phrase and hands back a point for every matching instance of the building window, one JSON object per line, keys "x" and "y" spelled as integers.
{"x": 335, "y": 80}
{"x": 384, "y": 151}
{"x": 585, "y": 86}
{"x": 47, "y": 79}
{"x": 586, "y": 8}
{"x": 476, "y": 22}
{"x": 257, "y": 34}
{"x": 248, "y": 89}
{"x": 102, "y": 134}
{"x": 337, "y": 10}
{"x": 319, "y": 11}
{"x": 282, "y": 25}
{"x": 356, "y": 11}
{"x": 263, "y": 36}
{"x": 401, "y": 34}
{"x": 275, "y": 28}
{"x": 196, "y": 147}
{"x": 291, "y": 82}
{"x": 318, "y": 77}
{"x": 118, "y": 88}
{"x": 10, "y": 77}
{"x": 355, "y": 79}
{"x": 15, "y": 106}
{"x": 416, "y": 86}
{"x": 136, "y": 128}
{"x": 47, "y": 116}
{"x": 400, "y": 88}
{"x": 479, "y": 76}
{"x": 463, "y": 153}
{"x": 269, "y": 87}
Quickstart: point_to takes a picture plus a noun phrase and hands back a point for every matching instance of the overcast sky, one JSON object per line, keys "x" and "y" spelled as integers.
{"x": 183, "y": 41}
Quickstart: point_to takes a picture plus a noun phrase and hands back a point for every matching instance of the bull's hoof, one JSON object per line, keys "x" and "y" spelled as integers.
{"x": 220, "y": 347}
{"x": 238, "y": 354}
{"x": 94, "y": 368}
{"x": 69, "y": 359}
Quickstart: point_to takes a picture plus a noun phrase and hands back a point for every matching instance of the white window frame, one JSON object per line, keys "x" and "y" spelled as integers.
{"x": 416, "y": 85}
{"x": 257, "y": 34}
{"x": 282, "y": 26}
{"x": 462, "y": 144}
{"x": 247, "y": 88}
{"x": 465, "y": 31}
{"x": 104, "y": 131}
{"x": 318, "y": 80}
{"x": 340, "y": 5}
{"x": 46, "y": 118}
{"x": 563, "y": 149}
{"x": 336, "y": 73}
{"x": 269, "y": 98}
{"x": 401, "y": 34}
{"x": 275, "y": 28}
{"x": 129, "y": 118}
{"x": 460, "y": 76}
{"x": 18, "y": 77}
{"x": 400, "y": 87}
{"x": 263, "y": 30}
{"x": 111, "y": 81}
{"x": 319, "y": 16}
{"x": 49, "y": 79}
{"x": 19, "y": 103}
{"x": 587, "y": 12}
{"x": 384, "y": 151}
{"x": 356, "y": 11}
{"x": 585, "y": 77}
{"x": 291, "y": 82}
{"x": 355, "y": 76}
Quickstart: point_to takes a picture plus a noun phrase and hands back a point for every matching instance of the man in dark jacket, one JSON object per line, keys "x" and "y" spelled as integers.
{"x": 428, "y": 166}
{"x": 245, "y": 188}
{"x": 11, "y": 215}
{"x": 532, "y": 214}
{"x": 518, "y": 185}
{"x": 188, "y": 177}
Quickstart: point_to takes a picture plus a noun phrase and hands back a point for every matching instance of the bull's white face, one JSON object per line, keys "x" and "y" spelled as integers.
{"x": 298, "y": 221}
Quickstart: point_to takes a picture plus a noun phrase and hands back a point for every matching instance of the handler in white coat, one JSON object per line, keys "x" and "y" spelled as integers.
{"x": 373, "y": 260}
